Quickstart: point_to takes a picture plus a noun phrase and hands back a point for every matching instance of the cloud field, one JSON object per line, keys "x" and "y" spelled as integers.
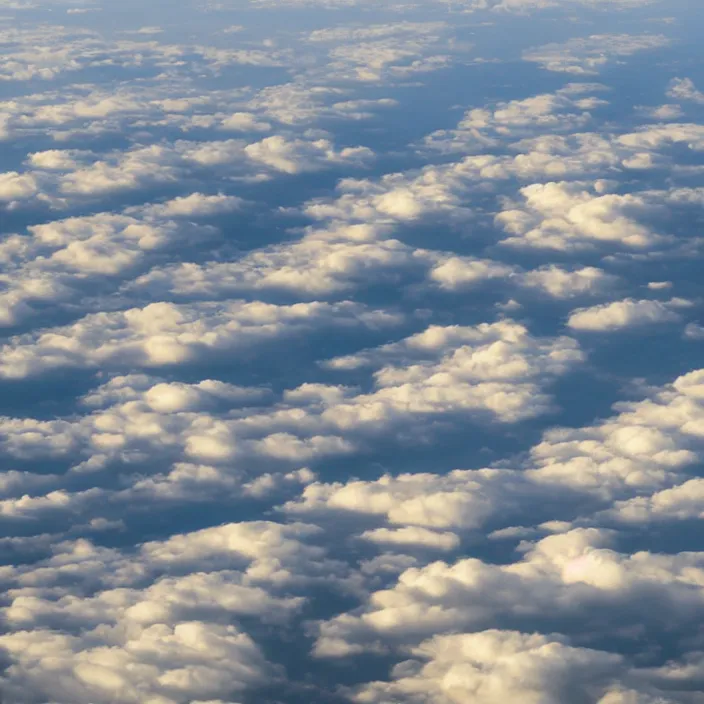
{"x": 351, "y": 352}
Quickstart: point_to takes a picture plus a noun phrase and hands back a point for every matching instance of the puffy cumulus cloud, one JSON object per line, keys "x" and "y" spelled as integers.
{"x": 571, "y": 215}
{"x": 572, "y": 579}
{"x": 211, "y": 439}
{"x": 278, "y": 554}
{"x": 562, "y": 283}
{"x": 142, "y": 166}
{"x": 462, "y": 272}
{"x": 322, "y": 263}
{"x": 89, "y": 112}
{"x": 685, "y": 89}
{"x": 448, "y": 189}
{"x": 501, "y": 666}
{"x": 51, "y": 504}
{"x": 335, "y": 35}
{"x": 302, "y": 101}
{"x": 194, "y": 205}
{"x": 385, "y": 52}
{"x": 46, "y": 51}
{"x": 494, "y": 371}
{"x": 394, "y": 198}
{"x": 297, "y": 156}
{"x": 566, "y": 109}
{"x": 155, "y": 626}
{"x": 57, "y": 159}
{"x": 497, "y": 369}
{"x": 650, "y": 137}
{"x": 624, "y": 314}
{"x": 682, "y": 502}
{"x": 647, "y": 445}
{"x": 245, "y": 122}
{"x": 189, "y": 659}
{"x": 462, "y": 500}
{"x": 586, "y": 56}
{"x": 171, "y": 397}
{"x": 549, "y": 214}
{"x": 15, "y": 186}
{"x": 410, "y": 536}
{"x": 192, "y": 616}
{"x": 57, "y": 261}
{"x": 167, "y": 334}
{"x": 693, "y": 331}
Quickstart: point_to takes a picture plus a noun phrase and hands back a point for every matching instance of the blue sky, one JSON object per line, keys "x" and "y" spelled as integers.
{"x": 351, "y": 352}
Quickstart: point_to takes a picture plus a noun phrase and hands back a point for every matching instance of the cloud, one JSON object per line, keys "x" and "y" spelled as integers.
{"x": 155, "y": 626}
{"x": 167, "y": 334}
{"x": 15, "y": 186}
{"x": 560, "y": 578}
{"x": 571, "y": 215}
{"x": 566, "y": 109}
{"x": 498, "y": 666}
{"x": 684, "y": 89}
{"x": 264, "y": 396}
{"x": 417, "y": 506}
{"x": 144, "y": 166}
{"x": 410, "y": 536}
{"x": 323, "y": 263}
{"x": 495, "y": 369}
{"x": 626, "y": 314}
{"x": 646, "y": 445}
{"x": 300, "y": 156}
{"x": 562, "y": 283}
{"x": 586, "y": 56}
{"x": 59, "y": 260}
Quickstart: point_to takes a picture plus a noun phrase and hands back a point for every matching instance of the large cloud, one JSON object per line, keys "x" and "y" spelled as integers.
{"x": 165, "y": 333}
{"x": 156, "y": 627}
{"x": 565, "y": 578}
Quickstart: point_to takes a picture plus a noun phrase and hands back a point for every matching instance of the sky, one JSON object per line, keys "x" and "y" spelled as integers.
{"x": 351, "y": 352}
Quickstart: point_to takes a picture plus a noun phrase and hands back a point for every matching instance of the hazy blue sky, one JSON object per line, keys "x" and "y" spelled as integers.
{"x": 351, "y": 352}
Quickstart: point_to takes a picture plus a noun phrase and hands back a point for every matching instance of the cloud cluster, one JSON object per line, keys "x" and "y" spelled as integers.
{"x": 311, "y": 314}
{"x": 160, "y": 626}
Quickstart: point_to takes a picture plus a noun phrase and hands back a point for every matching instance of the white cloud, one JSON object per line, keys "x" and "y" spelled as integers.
{"x": 384, "y": 52}
{"x": 566, "y": 109}
{"x": 462, "y": 272}
{"x": 57, "y": 261}
{"x": 496, "y": 369}
{"x": 586, "y": 56}
{"x": 626, "y": 314}
{"x": 15, "y": 186}
{"x": 494, "y": 666}
{"x": 142, "y": 631}
{"x": 245, "y": 122}
{"x": 321, "y": 264}
{"x": 684, "y": 89}
{"x": 298, "y": 156}
{"x": 562, "y": 283}
{"x": 645, "y": 446}
{"x": 461, "y": 500}
{"x": 167, "y": 334}
{"x": 570, "y": 215}
{"x": 561, "y": 577}
{"x": 410, "y": 536}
